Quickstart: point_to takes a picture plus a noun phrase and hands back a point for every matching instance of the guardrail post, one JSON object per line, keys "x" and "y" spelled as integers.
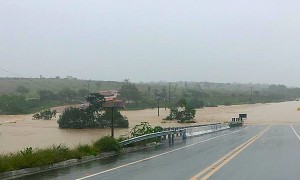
{"x": 184, "y": 135}
{"x": 169, "y": 137}
{"x": 172, "y": 138}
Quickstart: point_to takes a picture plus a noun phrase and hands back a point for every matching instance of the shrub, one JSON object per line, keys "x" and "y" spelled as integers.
{"x": 120, "y": 121}
{"x": 145, "y": 128}
{"x": 11, "y": 104}
{"x": 107, "y": 143}
{"x": 182, "y": 113}
{"x": 228, "y": 103}
{"x": 46, "y": 114}
{"x": 141, "y": 129}
{"x": 95, "y": 116}
{"x": 76, "y": 118}
{"x": 235, "y": 124}
{"x": 85, "y": 150}
{"x": 34, "y": 158}
{"x": 158, "y": 129}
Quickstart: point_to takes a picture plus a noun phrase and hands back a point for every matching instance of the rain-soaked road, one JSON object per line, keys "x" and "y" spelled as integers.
{"x": 253, "y": 152}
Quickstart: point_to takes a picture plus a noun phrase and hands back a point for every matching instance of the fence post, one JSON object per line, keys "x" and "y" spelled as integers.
{"x": 184, "y": 135}
{"x": 173, "y": 135}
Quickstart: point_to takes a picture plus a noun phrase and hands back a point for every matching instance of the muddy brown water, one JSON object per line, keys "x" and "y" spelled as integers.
{"x": 20, "y": 131}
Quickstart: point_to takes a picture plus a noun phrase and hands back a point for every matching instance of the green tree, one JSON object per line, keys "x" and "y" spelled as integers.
{"x": 96, "y": 102}
{"x": 182, "y": 112}
{"x": 144, "y": 128}
{"x": 22, "y": 89}
{"x": 129, "y": 91}
{"x": 119, "y": 120}
{"x": 46, "y": 95}
{"x": 95, "y": 116}
{"x": 11, "y": 104}
{"x": 83, "y": 92}
{"x": 68, "y": 94}
{"x": 76, "y": 118}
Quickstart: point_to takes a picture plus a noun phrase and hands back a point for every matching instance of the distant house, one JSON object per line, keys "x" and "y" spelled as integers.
{"x": 109, "y": 95}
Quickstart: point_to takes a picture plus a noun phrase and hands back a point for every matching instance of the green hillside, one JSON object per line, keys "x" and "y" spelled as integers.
{"x": 58, "y": 91}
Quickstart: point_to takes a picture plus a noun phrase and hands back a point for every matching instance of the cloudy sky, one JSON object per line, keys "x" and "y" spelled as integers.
{"x": 151, "y": 40}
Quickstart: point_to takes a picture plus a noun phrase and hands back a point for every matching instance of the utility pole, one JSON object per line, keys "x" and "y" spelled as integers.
{"x": 251, "y": 95}
{"x": 112, "y": 122}
{"x": 89, "y": 85}
{"x": 169, "y": 95}
{"x": 158, "y": 106}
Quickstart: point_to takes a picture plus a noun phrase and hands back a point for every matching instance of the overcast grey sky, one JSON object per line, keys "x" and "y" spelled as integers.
{"x": 150, "y": 40}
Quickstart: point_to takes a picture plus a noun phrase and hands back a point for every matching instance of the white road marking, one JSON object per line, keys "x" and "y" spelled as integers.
{"x": 158, "y": 155}
{"x": 295, "y": 132}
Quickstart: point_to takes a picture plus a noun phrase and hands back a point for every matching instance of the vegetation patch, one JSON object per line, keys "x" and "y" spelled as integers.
{"x": 29, "y": 157}
{"x": 29, "y": 95}
{"x": 46, "y": 114}
{"x": 108, "y": 143}
{"x": 143, "y": 129}
{"x": 95, "y": 116}
{"x": 236, "y": 124}
{"x": 183, "y": 112}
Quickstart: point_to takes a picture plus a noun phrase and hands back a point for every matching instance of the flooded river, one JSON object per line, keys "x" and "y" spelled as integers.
{"x": 20, "y": 131}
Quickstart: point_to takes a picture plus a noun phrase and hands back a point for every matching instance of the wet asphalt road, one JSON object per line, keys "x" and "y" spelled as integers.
{"x": 264, "y": 153}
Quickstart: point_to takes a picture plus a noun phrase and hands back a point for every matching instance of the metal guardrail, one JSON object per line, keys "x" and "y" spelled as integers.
{"x": 185, "y": 127}
{"x": 153, "y": 135}
{"x": 170, "y": 132}
{"x": 196, "y": 131}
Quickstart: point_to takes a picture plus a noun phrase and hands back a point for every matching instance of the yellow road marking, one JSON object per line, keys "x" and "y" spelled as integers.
{"x": 159, "y": 155}
{"x": 213, "y": 168}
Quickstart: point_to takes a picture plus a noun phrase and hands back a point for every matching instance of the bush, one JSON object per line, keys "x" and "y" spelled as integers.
{"x": 120, "y": 121}
{"x": 46, "y": 114}
{"x": 228, "y": 103}
{"x": 76, "y": 118}
{"x": 107, "y": 143}
{"x": 95, "y": 116}
{"x": 11, "y": 104}
{"x": 29, "y": 158}
{"x": 145, "y": 128}
{"x": 141, "y": 129}
{"x": 86, "y": 150}
{"x": 79, "y": 118}
{"x": 183, "y": 112}
{"x": 235, "y": 124}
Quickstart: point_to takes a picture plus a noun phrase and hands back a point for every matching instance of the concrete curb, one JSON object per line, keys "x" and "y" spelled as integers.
{"x": 68, "y": 163}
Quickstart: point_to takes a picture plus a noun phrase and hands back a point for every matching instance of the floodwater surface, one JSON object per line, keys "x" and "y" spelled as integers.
{"x": 20, "y": 131}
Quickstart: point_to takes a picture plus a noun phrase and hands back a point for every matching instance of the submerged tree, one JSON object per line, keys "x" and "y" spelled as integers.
{"x": 182, "y": 112}
{"x": 95, "y": 116}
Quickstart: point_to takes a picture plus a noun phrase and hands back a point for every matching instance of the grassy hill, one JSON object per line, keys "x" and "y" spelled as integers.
{"x": 210, "y": 93}
{"x": 10, "y": 85}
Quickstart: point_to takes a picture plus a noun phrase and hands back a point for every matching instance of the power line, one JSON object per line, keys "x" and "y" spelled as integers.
{"x": 14, "y": 74}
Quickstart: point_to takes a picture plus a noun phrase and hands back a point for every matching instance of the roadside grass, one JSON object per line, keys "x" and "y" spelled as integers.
{"x": 30, "y": 158}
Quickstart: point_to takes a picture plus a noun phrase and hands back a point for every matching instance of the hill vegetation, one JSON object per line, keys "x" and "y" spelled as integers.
{"x": 22, "y": 95}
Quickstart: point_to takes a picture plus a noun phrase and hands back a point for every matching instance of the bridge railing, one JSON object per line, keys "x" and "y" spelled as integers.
{"x": 170, "y": 134}
{"x": 184, "y": 132}
{"x": 196, "y": 131}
